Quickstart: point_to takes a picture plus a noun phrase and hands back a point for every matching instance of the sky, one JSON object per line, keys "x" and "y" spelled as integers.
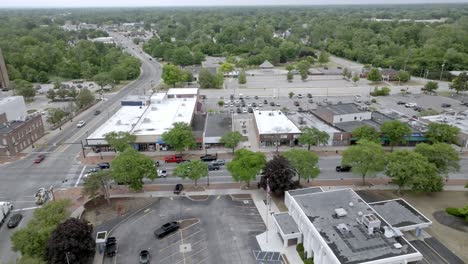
{"x": 138, "y": 3}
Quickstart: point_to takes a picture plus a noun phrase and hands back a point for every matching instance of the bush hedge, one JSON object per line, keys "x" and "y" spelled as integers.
{"x": 300, "y": 250}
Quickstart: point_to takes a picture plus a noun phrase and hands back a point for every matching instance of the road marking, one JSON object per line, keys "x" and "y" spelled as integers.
{"x": 81, "y": 175}
{"x": 27, "y": 208}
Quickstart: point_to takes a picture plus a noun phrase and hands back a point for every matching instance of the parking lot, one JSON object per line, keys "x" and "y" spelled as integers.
{"x": 225, "y": 232}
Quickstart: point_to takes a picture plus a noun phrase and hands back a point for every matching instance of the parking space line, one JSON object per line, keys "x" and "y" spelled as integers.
{"x": 182, "y": 240}
{"x": 81, "y": 175}
{"x": 178, "y": 241}
{"x": 193, "y": 234}
{"x": 193, "y": 254}
{"x": 203, "y": 260}
{"x": 194, "y": 243}
{"x": 169, "y": 256}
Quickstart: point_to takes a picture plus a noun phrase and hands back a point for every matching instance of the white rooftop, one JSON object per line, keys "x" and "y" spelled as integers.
{"x": 460, "y": 121}
{"x": 274, "y": 122}
{"x": 185, "y": 91}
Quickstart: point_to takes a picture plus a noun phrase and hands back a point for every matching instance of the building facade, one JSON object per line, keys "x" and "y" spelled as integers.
{"x": 17, "y": 135}
{"x": 273, "y": 127}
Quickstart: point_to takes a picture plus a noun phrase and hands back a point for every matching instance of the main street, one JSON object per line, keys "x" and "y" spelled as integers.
{"x": 20, "y": 179}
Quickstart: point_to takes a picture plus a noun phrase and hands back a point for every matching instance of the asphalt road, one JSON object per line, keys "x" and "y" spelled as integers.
{"x": 21, "y": 179}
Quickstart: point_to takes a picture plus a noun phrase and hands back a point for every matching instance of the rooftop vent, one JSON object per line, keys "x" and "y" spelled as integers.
{"x": 397, "y": 245}
{"x": 146, "y": 120}
{"x": 343, "y": 228}
{"x": 340, "y": 212}
{"x": 179, "y": 115}
{"x": 271, "y": 114}
{"x": 351, "y": 204}
{"x": 154, "y": 108}
{"x": 371, "y": 221}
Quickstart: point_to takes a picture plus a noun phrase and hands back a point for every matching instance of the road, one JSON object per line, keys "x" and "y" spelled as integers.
{"x": 21, "y": 179}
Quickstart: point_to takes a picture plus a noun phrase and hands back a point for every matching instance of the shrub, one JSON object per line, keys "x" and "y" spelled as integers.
{"x": 374, "y": 100}
{"x": 300, "y": 250}
{"x": 380, "y": 92}
{"x": 453, "y": 211}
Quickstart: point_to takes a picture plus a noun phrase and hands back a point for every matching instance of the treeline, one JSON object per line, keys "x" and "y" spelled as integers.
{"x": 38, "y": 50}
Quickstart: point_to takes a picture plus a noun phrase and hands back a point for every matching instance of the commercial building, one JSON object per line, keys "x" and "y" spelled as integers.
{"x": 339, "y": 227}
{"x": 17, "y": 129}
{"x": 459, "y": 120}
{"x": 273, "y": 126}
{"x": 306, "y": 119}
{"x": 105, "y": 40}
{"x": 4, "y": 80}
{"x": 149, "y": 120}
{"x": 217, "y": 124}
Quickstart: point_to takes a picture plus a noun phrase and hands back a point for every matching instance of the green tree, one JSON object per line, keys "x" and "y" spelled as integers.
{"x": 51, "y": 94}
{"x": 290, "y": 67}
{"x": 442, "y": 133}
{"x": 395, "y": 132}
{"x": 304, "y": 162}
{"x": 172, "y": 74}
{"x": 218, "y": 80}
{"x": 291, "y": 95}
{"x": 246, "y": 165}
{"x": 431, "y": 86}
{"x": 198, "y": 57}
{"x": 304, "y": 75}
{"x": 180, "y": 136}
{"x": 118, "y": 74}
{"x": 303, "y": 68}
{"x": 374, "y": 75}
{"x": 404, "y": 76}
{"x": 55, "y": 116}
{"x": 31, "y": 240}
{"x": 84, "y": 98}
{"x": 57, "y": 84}
{"x": 24, "y": 88}
{"x": 460, "y": 83}
{"x": 73, "y": 237}
{"x": 242, "y": 77}
{"x": 278, "y": 176}
{"x": 182, "y": 56}
{"x": 62, "y": 93}
{"x": 290, "y": 76}
{"x": 130, "y": 167}
{"x": 442, "y": 155}
{"x": 312, "y": 136}
{"x": 323, "y": 57}
{"x": 97, "y": 183}
{"x": 366, "y": 158}
{"x": 231, "y": 139}
{"x": 355, "y": 78}
{"x": 102, "y": 79}
{"x": 205, "y": 79}
{"x": 194, "y": 170}
{"x": 226, "y": 67}
{"x": 345, "y": 72}
{"x": 120, "y": 141}
{"x": 366, "y": 132}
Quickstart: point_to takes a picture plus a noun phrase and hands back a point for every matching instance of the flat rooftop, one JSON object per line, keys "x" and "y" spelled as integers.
{"x": 342, "y": 109}
{"x": 460, "y": 121}
{"x": 218, "y": 124}
{"x": 305, "y": 191}
{"x": 274, "y": 122}
{"x": 286, "y": 223}
{"x": 184, "y": 91}
{"x": 377, "y": 120}
{"x": 398, "y": 213}
{"x": 345, "y": 235}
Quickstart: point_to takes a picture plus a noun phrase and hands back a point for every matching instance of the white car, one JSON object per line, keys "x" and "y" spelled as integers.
{"x": 249, "y": 104}
{"x": 260, "y": 104}
{"x": 244, "y": 110}
{"x": 81, "y": 123}
{"x": 162, "y": 173}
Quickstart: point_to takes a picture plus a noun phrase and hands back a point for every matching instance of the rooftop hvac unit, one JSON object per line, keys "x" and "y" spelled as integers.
{"x": 340, "y": 212}
{"x": 371, "y": 221}
{"x": 154, "y": 108}
{"x": 343, "y": 228}
{"x": 179, "y": 115}
{"x": 270, "y": 114}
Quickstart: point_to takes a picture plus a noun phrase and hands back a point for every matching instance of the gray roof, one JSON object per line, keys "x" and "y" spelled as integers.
{"x": 305, "y": 191}
{"x": 218, "y": 124}
{"x": 286, "y": 223}
{"x": 266, "y": 65}
{"x": 398, "y": 213}
{"x": 377, "y": 120}
{"x": 353, "y": 244}
{"x": 342, "y": 109}
{"x": 8, "y": 127}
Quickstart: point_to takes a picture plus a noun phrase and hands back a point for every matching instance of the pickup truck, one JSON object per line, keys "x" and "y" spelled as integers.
{"x": 173, "y": 159}
{"x": 166, "y": 229}
{"x": 5, "y": 209}
{"x": 209, "y": 157}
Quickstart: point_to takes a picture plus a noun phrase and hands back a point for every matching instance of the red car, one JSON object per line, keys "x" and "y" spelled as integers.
{"x": 173, "y": 159}
{"x": 39, "y": 158}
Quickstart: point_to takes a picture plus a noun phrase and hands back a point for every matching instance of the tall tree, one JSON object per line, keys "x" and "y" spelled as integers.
{"x": 374, "y": 75}
{"x": 179, "y": 137}
{"x": 102, "y": 79}
{"x": 97, "y": 183}
{"x": 71, "y": 242}
{"x": 304, "y": 162}
{"x": 355, "y": 78}
{"x": 62, "y": 93}
{"x": 130, "y": 167}
{"x": 172, "y": 74}
{"x": 366, "y": 158}
{"x": 242, "y": 77}
{"x": 442, "y": 133}
{"x": 312, "y": 136}
{"x": 193, "y": 170}
{"x": 460, "y": 83}
{"x": 246, "y": 165}
{"x": 278, "y": 176}
{"x": 51, "y": 94}
{"x": 290, "y": 76}
{"x": 206, "y": 79}
{"x": 231, "y": 139}
{"x": 84, "y": 98}
{"x": 431, "y": 86}
{"x": 226, "y": 67}
{"x": 366, "y": 132}
{"x": 55, "y": 116}
{"x": 24, "y": 88}
{"x": 120, "y": 141}
{"x": 404, "y": 76}
{"x": 442, "y": 155}
{"x": 323, "y": 57}
{"x": 395, "y": 131}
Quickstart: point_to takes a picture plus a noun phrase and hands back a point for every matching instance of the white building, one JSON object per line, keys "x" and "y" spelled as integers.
{"x": 105, "y": 40}
{"x": 14, "y": 108}
{"x": 338, "y": 227}
{"x": 273, "y": 126}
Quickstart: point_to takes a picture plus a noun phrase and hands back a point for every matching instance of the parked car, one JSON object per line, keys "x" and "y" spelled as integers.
{"x": 178, "y": 188}
{"x": 311, "y": 101}
{"x": 162, "y": 173}
{"x": 299, "y": 96}
{"x": 418, "y": 108}
{"x": 272, "y": 103}
{"x": 256, "y": 97}
{"x": 249, "y": 104}
{"x": 40, "y": 158}
{"x": 111, "y": 246}
{"x": 401, "y": 103}
{"x": 244, "y": 110}
{"x": 14, "y": 220}
{"x": 166, "y": 229}
{"x": 445, "y": 105}
{"x": 250, "y": 110}
{"x": 104, "y": 165}
{"x": 212, "y": 167}
{"x": 239, "y": 110}
{"x": 265, "y": 101}
{"x": 296, "y": 103}
{"x": 81, "y": 123}
{"x": 247, "y": 97}
{"x": 209, "y": 157}
{"x": 277, "y": 104}
{"x": 219, "y": 162}
{"x": 410, "y": 105}
{"x": 91, "y": 171}
{"x": 343, "y": 168}
{"x": 254, "y": 105}
{"x": 173, "y": 159}
{"x": 144, "y": 257}
{"x": 97, "y": 112}
{"x": 300, "y": 109}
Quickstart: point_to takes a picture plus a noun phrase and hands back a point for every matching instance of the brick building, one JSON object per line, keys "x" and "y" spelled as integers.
{"x": 17, "y": 135}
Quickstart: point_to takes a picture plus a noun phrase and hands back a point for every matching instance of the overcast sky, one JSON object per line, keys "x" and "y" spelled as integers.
{"x": 136, "y": 3}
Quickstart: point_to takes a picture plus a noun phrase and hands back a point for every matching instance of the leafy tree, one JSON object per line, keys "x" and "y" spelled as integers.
{"x": 55, "y": 116}
{"x": 303, "y": 68}
{"x": 304, "y": 162}
{"x": 323, "y": 57}
{"x": 220, "y": 103}
{"x": 118, "y": 74}
{"x": 345, "y": 72}
{"x": 246, "y": 165}
{"x": 304, "y": 75}
{"x": 72, "y": 241}
{"x": 431, "y": 86}
{"x": 30, "y": 260}
{"x": 73, "y": 93}
{"x": 290, "y": 67}
{"x": 278, "y": 176}
{"x": 404, "y": 76}
{"x": 130, "y": 167}
{"x": 290, "y": 76}
{"x": 460, "y": 83}
{"x": 291, "y": 95}
{"x": 242, "y": 77}
{"x": 442, "y": 155}
{"x": 312, "y": 136}
{"x": 226, "y": 67}
{"x": 182, "y": 56}
{"x": 24, "y": 88}
{"x": 120, "y": 141}
{"x": 96, "y": 183}
{"x": 179, "y": 137}
{"x": 430, "y": 182}
{"x": 442, "y": 133}
{"x": 231, "y": 139}
{"x": 171, "y": 74}
{"x": 218, "y": 80}
{"x": 102, "y": 79}
{"x": 62, "y": 93}
{"x": 366, "y": 132}
{"x": 374, "y": 75}
{"x": 51, "y": 94}
{"x": 57, "y": 84}
{"x": 395, "y": 132}
{"x": 193, "y": 170}
{"x": 205, "y": 79}
{"x": 198, "y": 57}
{"x": 84, "y": 98}
{"x": 355, "y": 78}
{"x": 366, "y": 158}
{"x": 31, "y": 240}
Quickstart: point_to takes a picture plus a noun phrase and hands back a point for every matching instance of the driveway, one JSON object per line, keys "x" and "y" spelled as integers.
{"x": 225, "y": 232}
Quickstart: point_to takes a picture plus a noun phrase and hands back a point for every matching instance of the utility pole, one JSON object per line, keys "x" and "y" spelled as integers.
{"x": 442, "y": 71}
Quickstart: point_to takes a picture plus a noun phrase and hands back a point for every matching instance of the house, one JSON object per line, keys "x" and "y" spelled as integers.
{"x": 266, "y": 65}
{"x": 389, "y": 74}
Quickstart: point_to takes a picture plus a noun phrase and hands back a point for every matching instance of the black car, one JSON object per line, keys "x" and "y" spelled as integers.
{"x": 104, "y": 165}
{"x": 111, "y": 246}
{"x": 445, "y": 105}
{"x": 418, "y": 108}
{"x": 144, "y": 257}
{"x": 212, "y": 167}
{"x": 97, "y": 112}
{"x": 243, "y": 104}
{"x": 296, "y": 103}
{"x": 256, "y": 97}
{"x": 14, "y": 220}
{"x": 166, "y": 229}
{"x": 309, "y": 95}
{"x": 400, "y": 103}
{"x": 178, "y": 188}
{"x": 250, "y": 110}
{"x": 254, "y": 105}
{"x": 272, "y": 103}
{"x": 231, "y": 97}
{"x": 209, "y": 157}
{"x": 239, "y": 110}
{"x": 311, "y": 101}
{"x": 343, "y": 168}
{"x": 265, "y": 101}
{"x": 300, "y": 109}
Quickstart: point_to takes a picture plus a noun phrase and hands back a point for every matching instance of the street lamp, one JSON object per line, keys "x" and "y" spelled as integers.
{"x": 442, "y": 71}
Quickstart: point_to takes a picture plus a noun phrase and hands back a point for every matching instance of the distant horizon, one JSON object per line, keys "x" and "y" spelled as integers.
{"x": 44, "y": 4}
